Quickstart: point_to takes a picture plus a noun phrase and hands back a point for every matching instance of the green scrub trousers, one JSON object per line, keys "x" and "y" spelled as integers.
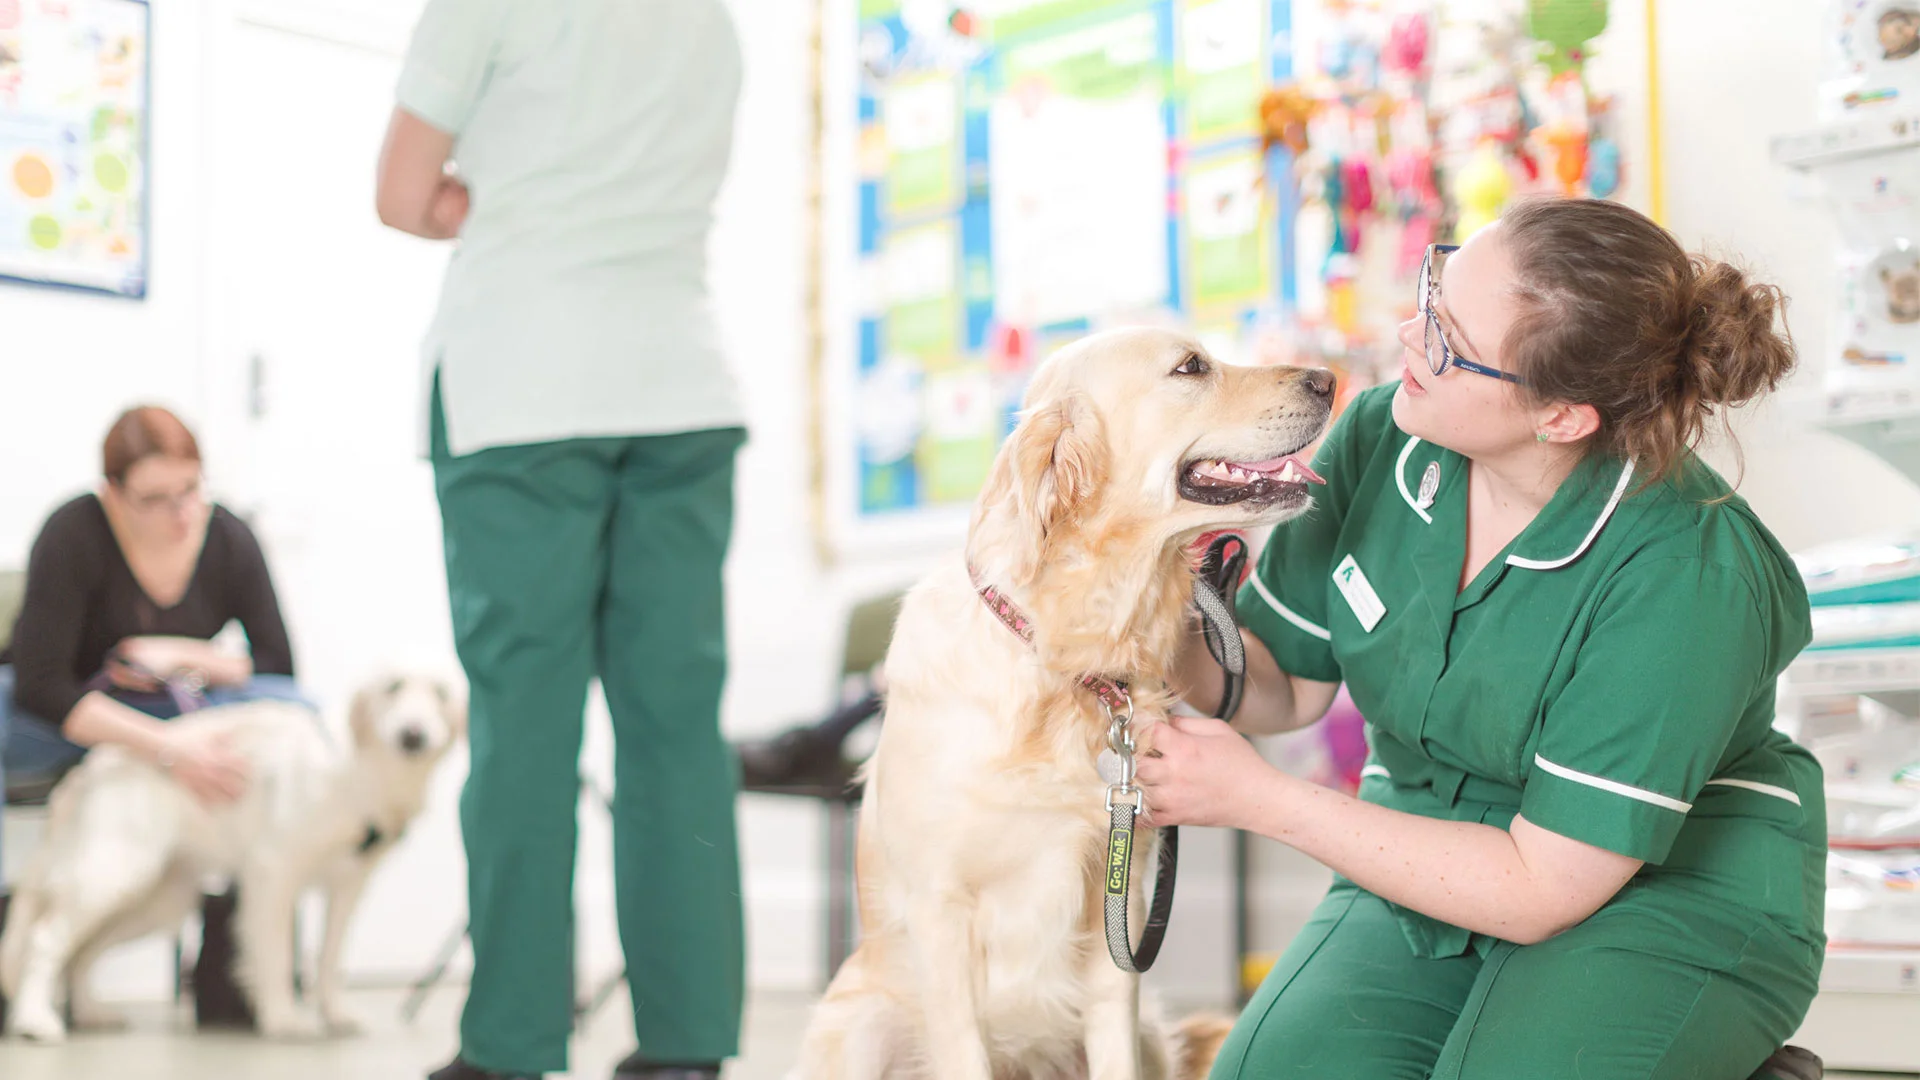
{"x": 1350, "y": 999}
{"x": 566, "y": 561}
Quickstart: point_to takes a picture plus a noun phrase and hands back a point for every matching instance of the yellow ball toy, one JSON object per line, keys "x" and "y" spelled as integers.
{"x": 1481, "y": 188}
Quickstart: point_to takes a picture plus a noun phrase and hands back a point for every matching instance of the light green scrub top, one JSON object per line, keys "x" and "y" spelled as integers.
{"x": 1610, "y": 675}
{"x": 594, "y": 136}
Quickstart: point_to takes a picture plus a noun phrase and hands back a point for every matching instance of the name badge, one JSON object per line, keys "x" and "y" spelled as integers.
{"x": 1353, "y": 584}
{"x": 1429, "y": 486}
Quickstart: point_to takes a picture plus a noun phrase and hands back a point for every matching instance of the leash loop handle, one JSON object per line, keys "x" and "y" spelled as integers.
{"x": 1213, "y": 592}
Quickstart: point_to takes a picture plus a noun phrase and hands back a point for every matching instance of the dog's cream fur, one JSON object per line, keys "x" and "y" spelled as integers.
{"x": 982, "y": 836}
{"x": 127, "y": 847}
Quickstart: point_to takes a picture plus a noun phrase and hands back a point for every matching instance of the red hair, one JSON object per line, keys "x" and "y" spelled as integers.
{"x": 142, "y": 432}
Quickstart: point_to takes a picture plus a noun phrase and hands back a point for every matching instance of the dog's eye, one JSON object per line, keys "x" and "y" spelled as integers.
{"x": 1194, "y": 364}
{"x": 394, "y": 687}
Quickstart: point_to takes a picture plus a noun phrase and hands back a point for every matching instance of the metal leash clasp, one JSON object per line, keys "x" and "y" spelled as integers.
{"x": 1120, "y": 741}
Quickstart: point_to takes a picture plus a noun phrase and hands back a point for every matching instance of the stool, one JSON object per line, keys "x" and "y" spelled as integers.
{"x": 1792, "y": 1063}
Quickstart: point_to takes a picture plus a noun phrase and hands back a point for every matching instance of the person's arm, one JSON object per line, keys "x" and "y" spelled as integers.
{"x": 446, "y": 70}
{"x": 256, "y": 603}
{"x": 1272, "y": 701}
{"x": 414, "y": 192}
{"x": 200, "y": 761}
{"x": 63, "y": 570}
{"x": 1523, "y": 885}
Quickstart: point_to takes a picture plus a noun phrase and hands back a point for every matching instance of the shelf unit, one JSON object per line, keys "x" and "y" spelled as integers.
{"x": 1831, "y": 144}
{"x": 1869, "y": 1003}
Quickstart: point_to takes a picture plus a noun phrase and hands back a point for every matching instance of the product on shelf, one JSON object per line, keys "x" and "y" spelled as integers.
{"x": 1873, "y": 899}
{"x": 1874, "y": 57}
{"x": 1870, "y": 816}
{"x": 1866, "y": 626}
{"x": 1869, "y": 570}
{"x": 1875, "y": 200}
{"x": 1870, "y": 755}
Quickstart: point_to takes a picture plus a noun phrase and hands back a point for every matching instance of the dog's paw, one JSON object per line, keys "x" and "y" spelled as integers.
{"x": 343, "y": 1023}
{"x": 37, "y": 1023}
{"x": 291, "y": 1025}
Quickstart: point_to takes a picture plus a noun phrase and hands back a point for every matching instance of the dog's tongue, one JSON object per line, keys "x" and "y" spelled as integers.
{"x": 1274, "y": 465}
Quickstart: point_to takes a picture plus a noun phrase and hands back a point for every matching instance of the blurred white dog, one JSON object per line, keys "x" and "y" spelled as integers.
{"x": 126, "y": 849}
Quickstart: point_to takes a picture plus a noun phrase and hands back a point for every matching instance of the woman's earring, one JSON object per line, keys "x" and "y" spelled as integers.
{"x": 1541, "y": 436}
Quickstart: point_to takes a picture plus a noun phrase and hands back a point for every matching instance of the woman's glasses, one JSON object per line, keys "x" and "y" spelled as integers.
{"x": 1440, "y": 355}
{"x": 154, "y": 502}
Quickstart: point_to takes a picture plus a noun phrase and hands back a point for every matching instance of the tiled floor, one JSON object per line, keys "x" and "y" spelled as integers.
{"x": 161, "y": 1046}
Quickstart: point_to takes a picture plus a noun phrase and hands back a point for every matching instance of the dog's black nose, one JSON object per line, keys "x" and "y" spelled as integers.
{"x": 1320, "y": 381}
{"x": 413, "y": 740}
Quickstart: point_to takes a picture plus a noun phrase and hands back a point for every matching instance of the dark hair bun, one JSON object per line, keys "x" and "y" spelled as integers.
{"x": 1732, "y": 353}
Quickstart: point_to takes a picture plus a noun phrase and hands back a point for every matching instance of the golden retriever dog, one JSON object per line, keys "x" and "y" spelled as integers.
{"x": 982, "y": 837}
{"x": 126, "y": 848}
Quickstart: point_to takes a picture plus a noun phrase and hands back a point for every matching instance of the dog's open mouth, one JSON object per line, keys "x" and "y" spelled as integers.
{"x": 1216, "y": 482}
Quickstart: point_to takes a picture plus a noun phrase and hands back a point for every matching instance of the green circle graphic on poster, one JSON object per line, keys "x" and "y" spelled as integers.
{"x": 110, "y": 172}
{"x": 44, "y": 232}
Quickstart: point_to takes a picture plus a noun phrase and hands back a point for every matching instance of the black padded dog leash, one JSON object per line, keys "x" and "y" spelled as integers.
{"x": 1213, "y": 592}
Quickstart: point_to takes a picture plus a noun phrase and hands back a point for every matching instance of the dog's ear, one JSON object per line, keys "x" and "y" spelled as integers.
{"x": 453, "y": 706}
{"x": 360, "y": 713}
{"x": 1886, "y": 276}
{"x": 1057, "y": 461}
{"x": 1044, "y": 478}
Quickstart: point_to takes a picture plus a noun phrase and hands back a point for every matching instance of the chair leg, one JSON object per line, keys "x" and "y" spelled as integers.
{"x": 839, "y": 884}
{"x": 584, "y": 1011}
{"x": 5, "y": 898}
{"x": 417, "y": 996}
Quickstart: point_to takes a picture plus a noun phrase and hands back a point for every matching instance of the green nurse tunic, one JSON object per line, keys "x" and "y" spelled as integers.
{"x": 1610, "y": 676}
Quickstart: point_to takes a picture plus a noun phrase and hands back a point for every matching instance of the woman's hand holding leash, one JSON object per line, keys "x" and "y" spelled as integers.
{"x": 128, "y": 675}
{"x": 1199, "y": 771}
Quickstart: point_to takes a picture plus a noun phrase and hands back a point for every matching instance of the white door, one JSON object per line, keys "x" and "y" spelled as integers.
{"x": 316, "y": 317}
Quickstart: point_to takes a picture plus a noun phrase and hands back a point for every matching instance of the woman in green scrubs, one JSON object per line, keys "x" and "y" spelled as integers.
{"x": 1580, "y": 848}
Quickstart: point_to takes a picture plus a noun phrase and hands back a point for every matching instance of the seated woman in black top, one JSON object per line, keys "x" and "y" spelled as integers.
{"x": 125, "y": 590}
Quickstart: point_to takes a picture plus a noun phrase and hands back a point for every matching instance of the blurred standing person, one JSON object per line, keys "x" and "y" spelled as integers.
{"x": 583, "y": 429}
